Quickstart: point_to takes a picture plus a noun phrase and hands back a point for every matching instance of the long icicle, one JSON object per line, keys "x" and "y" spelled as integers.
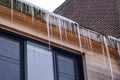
{"x": 11, "y": 10}
{"x": 52, "y": 21}
{"x": 80, "y": 44}
{"x": 90, "y": 42}
{"x": 65, "y": 27}
{"x": 32, "y": 9}
{"x": 75, "y": 31}
{"x": 21, "y": 7}
{"x": 48, "y": 28}
{"x": 103, "y": 51}
{"x": 108, "y": 54}
{"x": 87, "y": 39}
{"x": 59, "y": 25}
{"x": 118, "y": 47}
{"x": 84, "y": 35}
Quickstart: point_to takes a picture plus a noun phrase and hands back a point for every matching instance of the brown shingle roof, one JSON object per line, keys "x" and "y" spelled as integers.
{"x": 99, "y": 15}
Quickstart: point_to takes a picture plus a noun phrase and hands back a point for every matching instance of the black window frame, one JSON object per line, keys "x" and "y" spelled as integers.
{"x": 79, "y": 72}
{"x": 54, "y": 49}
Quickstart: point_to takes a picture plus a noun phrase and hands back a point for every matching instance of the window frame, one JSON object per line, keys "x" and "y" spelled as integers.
{"x": 79, "y": 72}
{"x": 23, "y": 55}
{"x": 41, "y": 44}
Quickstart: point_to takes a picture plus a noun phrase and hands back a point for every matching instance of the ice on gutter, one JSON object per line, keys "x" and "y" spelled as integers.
{"x": 60, "y": 22}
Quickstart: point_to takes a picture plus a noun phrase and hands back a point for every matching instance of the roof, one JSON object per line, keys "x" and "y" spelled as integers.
{"x": 99, "y": 15}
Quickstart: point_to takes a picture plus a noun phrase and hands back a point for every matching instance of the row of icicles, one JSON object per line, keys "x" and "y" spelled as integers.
{"x": 65, "y": 24}
{"x": 80, "y": 31}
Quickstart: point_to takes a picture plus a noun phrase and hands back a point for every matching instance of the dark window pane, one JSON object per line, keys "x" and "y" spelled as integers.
{"x": 66, "y": 65}
{"x": 66, "y": 68}
{"x": 66, "y": 77}
{"x": 9, "y": 48}
{"x": 9, "y": 59}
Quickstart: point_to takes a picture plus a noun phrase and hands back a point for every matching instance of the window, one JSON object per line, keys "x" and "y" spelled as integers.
{"x": 9, "y": 58}
{"x": 40, "y": 62}
{"x": 53, "y": 64}
{"x": 21, "y": 59}
{"x": 69, "y": 66}
{"x": 66, "y": 68}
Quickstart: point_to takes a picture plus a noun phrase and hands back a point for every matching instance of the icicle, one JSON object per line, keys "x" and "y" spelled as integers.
{"x": 89, "y": 36}
{"x": 11, "y": 10}
{"x": 51, "y": 22}
{"x": 65, "y": 25}
{"x": 80, "y": 44}
{"x": 109, "y": 60}
{"x": 75, "y": 31}
{"x": 48, "y": 27}
{"x": 84, "y": 35}
{"x": 32, "y": 9}
{"x": 118, "y": 48}
{"x": 109, "y": 41}
{"x": 70, "y": 27}
{"x": 59, "y": 25}
{"x": 87, "y": 39}
{"x": 29, "y": 11}
{"x": 40, "y": 14}
{"x": 113, "y": 43}
{"x": 103, "y": 51}
{"x": 113, "y": 39}
{"x": 21, "y": 7}
{"x": 25, "y": 9}
{"x": 55, "y": 21}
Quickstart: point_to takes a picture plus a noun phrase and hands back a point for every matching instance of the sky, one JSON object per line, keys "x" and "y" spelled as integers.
{"x": 49, "y": 5}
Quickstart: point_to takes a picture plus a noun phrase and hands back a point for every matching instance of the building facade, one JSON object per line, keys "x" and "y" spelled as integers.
{"x": 38, "y": 45}
{"x": 102, "y": 16}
